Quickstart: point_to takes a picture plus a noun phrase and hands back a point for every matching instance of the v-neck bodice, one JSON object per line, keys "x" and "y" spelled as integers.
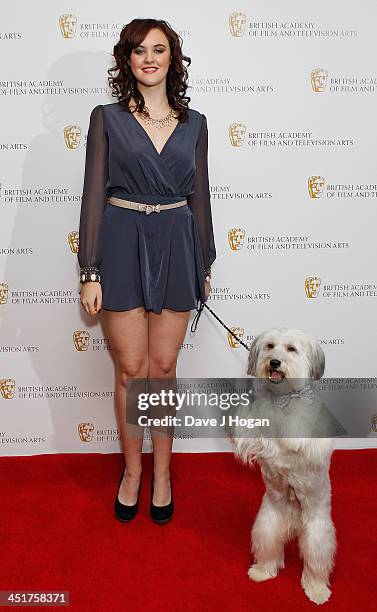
{"x": 137, "y": 172}
{"x": 122, "y": 161}
{"x": 150, "y": 139}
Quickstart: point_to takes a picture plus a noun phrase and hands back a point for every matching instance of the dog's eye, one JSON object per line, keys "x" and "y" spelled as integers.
{"x": 270, "y": 345}
{"x": 291, "y": 348}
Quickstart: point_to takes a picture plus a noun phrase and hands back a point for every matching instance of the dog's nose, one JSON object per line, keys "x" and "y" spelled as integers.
{"x": 274, "y": 363}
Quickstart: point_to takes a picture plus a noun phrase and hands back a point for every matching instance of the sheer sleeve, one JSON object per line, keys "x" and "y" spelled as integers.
{"x": 200, "y": 200}
{"x": 94, "y": 190}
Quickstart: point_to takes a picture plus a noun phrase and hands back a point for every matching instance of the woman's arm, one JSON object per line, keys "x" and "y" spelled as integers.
{"x": 200, "y": 200}
{"x": 94, "y": 192}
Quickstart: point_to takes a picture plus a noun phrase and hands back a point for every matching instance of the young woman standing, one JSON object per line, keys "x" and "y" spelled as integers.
{"x": 146, "y": 241}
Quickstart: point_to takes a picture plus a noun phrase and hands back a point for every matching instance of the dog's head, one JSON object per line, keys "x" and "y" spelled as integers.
{"x": 281, "y": 353}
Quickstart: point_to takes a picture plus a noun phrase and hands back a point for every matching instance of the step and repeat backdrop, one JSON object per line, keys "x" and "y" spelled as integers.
{"x": 289, "y": 91}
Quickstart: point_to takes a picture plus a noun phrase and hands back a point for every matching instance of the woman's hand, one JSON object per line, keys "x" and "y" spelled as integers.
{"x": 207, "y": 288}
{"x": 91, "y": 297}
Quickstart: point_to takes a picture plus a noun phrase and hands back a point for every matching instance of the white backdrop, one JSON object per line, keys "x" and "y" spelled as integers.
{"x": 289, "y": 91}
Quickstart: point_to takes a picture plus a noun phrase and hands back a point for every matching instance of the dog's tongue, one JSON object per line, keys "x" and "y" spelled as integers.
{"x": 275, "y": 375}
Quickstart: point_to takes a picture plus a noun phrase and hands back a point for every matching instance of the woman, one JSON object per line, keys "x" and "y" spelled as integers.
{"x": 145, "y": 272}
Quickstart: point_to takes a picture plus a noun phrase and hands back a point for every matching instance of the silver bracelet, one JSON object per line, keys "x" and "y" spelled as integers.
{"x": 207, "y": 274}
{"x": 89, "y": 273}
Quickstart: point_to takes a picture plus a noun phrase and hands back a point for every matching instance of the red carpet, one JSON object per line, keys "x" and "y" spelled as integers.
{"x": 58, "y": 532}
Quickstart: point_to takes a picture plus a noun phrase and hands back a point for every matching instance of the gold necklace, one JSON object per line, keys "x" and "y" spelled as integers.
{"x": 158, "y": 123}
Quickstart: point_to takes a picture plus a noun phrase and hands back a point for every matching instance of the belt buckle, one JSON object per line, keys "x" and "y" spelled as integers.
{"x": 152, "y": 208}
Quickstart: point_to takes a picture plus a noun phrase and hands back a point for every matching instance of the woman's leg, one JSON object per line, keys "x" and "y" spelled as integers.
{"x": 128, "y": 335}
{"x": 165, "y": 335}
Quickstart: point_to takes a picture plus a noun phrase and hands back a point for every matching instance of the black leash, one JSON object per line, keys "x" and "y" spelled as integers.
{"x": 195, "y": 321}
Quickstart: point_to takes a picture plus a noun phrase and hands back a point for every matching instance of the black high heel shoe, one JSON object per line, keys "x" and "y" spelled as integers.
{"x": 123, "y": 512}
{"x": 161, "y": 514}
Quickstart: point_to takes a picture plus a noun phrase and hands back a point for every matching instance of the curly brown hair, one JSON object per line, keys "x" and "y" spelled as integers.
{"x": 131, "y": 37}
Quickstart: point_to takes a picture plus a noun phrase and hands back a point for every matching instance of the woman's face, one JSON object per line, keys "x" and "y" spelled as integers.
{"x": 153, "y": 52}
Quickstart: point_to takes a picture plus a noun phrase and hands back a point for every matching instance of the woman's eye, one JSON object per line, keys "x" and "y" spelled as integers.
{"x": 138, "y": 51}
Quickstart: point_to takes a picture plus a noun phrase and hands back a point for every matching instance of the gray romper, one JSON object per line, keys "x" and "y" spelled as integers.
{"x": 155, "y": 260}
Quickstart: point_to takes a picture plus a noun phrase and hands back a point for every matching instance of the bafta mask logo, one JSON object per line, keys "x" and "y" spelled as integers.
{"x": 7, "y": 388}
{"x": 73, "y": 241}
{"x": 85, "y": 431}
{"x": 318, "y": 79}
{"x": 316, "y": 186}
{"x": 237, "y": 133}
{"x": 81, "y": 340}
{"x": 239, "y": 332}
{"x": 3, "y": 293}
{"x": 237, "y": 24}
{"x": 72, "y": 135}
{"x": 374, "y": 423}
{"x": 67, "y": 24}
{"x": 236, "y": 237}
{"x": 312, "y": 285}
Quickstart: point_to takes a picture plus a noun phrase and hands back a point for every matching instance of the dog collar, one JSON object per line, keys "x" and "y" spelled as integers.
{"x": 306, "y": 394}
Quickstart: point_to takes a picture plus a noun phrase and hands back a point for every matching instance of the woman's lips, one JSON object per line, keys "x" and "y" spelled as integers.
{"x": 149, "y": 70}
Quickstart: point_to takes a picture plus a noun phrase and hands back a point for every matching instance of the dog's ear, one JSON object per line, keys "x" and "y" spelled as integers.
{"x": 253, "y": 356}
{"x": 317, "y": 360}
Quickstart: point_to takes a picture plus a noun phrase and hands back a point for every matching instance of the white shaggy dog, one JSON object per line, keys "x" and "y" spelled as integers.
{"x": 295, "y": 470}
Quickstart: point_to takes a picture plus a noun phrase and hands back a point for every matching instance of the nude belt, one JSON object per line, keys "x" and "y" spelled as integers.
{"x": 147, "y": 208}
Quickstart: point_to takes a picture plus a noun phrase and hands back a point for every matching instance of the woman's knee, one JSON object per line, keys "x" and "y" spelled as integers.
{"x": 135, "y": 369}
{"x": 162, "y": 367}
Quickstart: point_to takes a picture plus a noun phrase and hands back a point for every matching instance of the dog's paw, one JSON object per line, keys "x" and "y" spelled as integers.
{"x": 317, "y": 592}
{"x": 259, "y": 573}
